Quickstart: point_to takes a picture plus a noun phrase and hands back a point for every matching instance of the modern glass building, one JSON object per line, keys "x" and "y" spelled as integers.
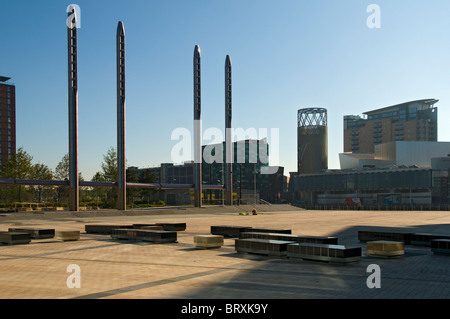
{"x": 250, "y": 156}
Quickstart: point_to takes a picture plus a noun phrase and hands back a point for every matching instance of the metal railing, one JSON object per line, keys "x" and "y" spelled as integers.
{"x": 34, "y": 182}
{"x": 390, "y": 207}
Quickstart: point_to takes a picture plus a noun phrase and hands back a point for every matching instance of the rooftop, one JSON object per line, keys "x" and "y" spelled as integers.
{"x": 4, "y": 78}
{"x": 428, "y": 102}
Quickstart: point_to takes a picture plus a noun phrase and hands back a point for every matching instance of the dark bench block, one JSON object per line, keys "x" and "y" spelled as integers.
{"x": 440, "y": 246}
{"x": 14, "y": 238}
{"x": 103, "y": 229}
{"x": 364, "y": 235}
{"x": 36, "y": 233}
{"x": 425, "y": 239}
{"x": 262, "y": 246}
{"x": 268, "y": 230}
{"x": 166, "y": 226}
{"x": 290, "y": 237}
{"x": 228, "y": 231}
{"x": 324, "y": 252}
{"x": 154, "y": 236}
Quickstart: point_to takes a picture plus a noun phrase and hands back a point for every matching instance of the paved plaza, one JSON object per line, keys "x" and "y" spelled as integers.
{"x": 113, "y": 269}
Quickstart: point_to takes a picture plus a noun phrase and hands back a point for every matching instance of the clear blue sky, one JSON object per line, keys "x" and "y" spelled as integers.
{"x": 286, "y": 55}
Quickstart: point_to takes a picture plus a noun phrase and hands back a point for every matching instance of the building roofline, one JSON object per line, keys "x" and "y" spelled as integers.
{"x": 4, "y": 78}
{"x": 423, "y": 101}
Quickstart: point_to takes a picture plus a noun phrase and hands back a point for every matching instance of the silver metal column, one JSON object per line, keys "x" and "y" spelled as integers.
{"x": 121, "y": 141}
{"x": 228, "y": 135}
{"x": 197, "y": 130}
{"x": 74, "y": 192}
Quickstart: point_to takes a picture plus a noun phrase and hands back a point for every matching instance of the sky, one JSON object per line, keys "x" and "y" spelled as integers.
{"x": 286, "y": 55}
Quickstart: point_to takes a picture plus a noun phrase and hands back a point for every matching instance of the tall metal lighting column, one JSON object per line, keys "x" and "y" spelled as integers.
{"x": 73, "y": 111}
{"x": 228, "y": 136}
{"x": 121, "y": 142}
{"x": 197, "y": 131}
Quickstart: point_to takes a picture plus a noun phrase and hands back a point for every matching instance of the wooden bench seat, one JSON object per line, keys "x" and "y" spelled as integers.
{"x": 385, "y": 248}
{"x": 208, "y": 241}
{"x": 67, "y": 235}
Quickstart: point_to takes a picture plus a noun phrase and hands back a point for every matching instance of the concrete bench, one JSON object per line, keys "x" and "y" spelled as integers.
{"x": 385, "y": 248}
{"x": 103, "y": 229}
{"x": 35, "y": 233}
{"x": 440, "y": 246}
{"x": 365, "y": 235}
{"x": 67, "y": 235}
{"x": 14, "y": 238}
{"x": 323, "y": 252}
{"x": 208, "y": 241}
{"x": 228, "y": 231}
{"x": 165, "y": 226}
{"x": 290, "y": 237}
{"x": 277, "y": 248}
{"x": 425, "y": 239}
{"x": 154, "y": 236}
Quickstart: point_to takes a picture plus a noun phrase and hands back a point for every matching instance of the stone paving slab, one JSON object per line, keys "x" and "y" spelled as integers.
{"x": 135, "y": 270}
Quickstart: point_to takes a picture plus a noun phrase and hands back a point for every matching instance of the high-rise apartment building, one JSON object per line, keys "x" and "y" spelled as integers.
{"x": 410, "y": 121}
{"x": 7, "y": 119}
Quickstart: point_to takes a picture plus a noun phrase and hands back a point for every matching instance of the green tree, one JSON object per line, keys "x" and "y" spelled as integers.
{"x": 109, "y": 165}
{"x": 109, "y": 173}
{"x": 62, "y": 169}
{"x": 42, "y": 172}
{"x": 62, "y": 174}
{"x": 19, "y": 166}
{"x": 98, "y": 193}
{"x": 132, "y": 193}
{"x": 146, "y": 176}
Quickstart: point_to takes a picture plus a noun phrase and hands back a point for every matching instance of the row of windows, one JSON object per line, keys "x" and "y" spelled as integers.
{"x": 7, "y": 87}
{"x": 9, "y": 150}
{"x": 9, "y": 146}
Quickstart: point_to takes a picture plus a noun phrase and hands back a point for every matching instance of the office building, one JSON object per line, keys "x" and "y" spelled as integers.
{"x": 7, "y": 119}
{"x": 410, "y": 121}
